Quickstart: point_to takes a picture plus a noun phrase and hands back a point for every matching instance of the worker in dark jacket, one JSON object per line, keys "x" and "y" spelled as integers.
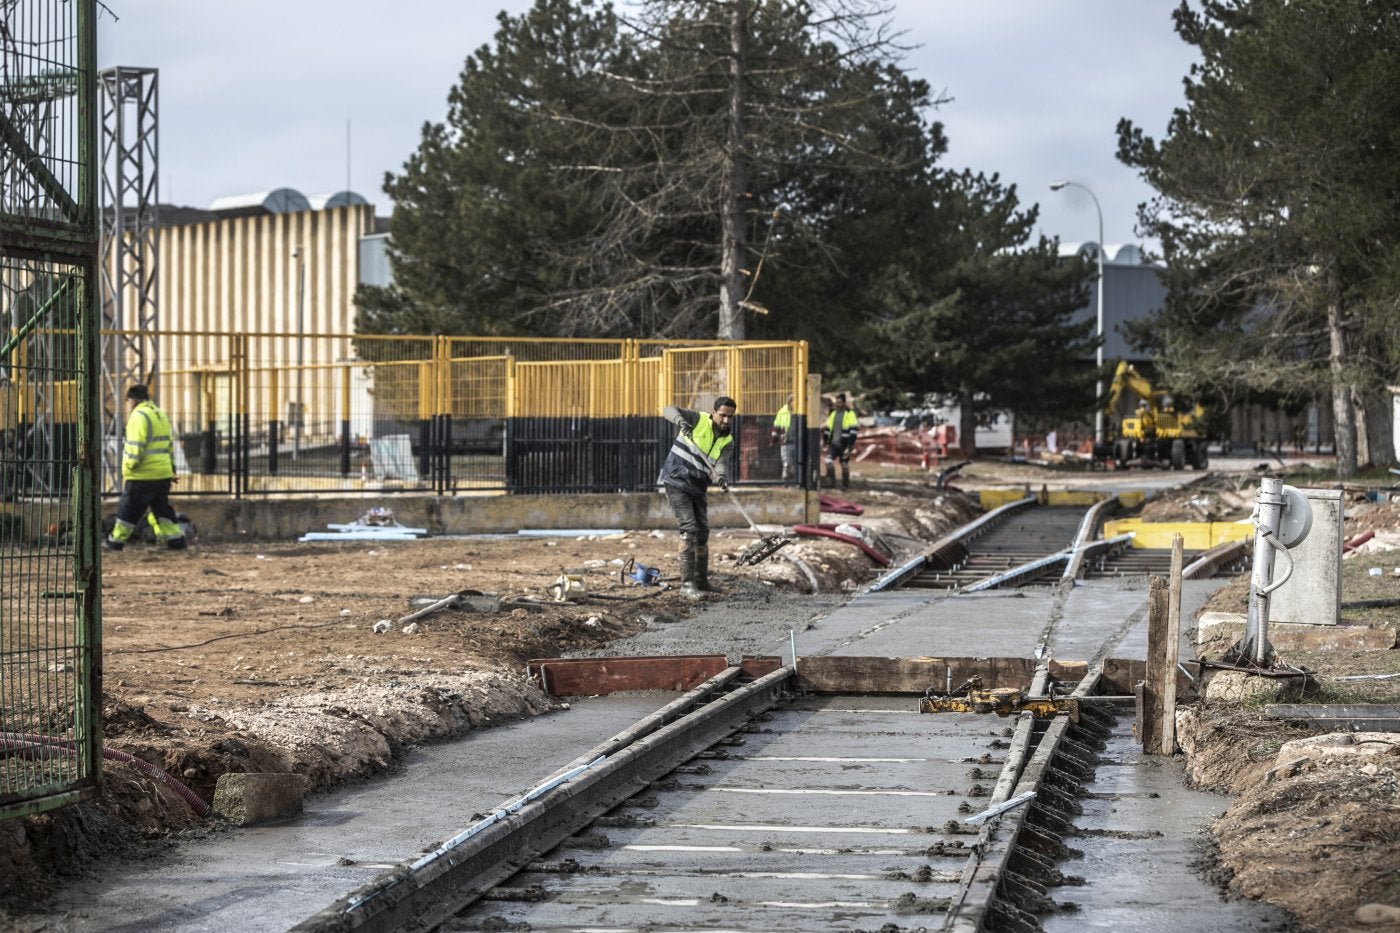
{"x": 839, "y": 436}
{"x": 698, "y": 457}
{"x": 148, "y": 470}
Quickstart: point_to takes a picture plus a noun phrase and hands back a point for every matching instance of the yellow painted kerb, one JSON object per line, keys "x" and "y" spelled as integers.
{"x": 1195, "y": 536}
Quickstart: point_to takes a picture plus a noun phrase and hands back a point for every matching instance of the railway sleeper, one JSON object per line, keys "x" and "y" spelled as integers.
{"x": 1047, "y": 844}
{"x": 1052, "y": 818}
{"x": 1026, "y": 892}
{"x": 1062, "y": 799}
{"x": 1007, "y": 917}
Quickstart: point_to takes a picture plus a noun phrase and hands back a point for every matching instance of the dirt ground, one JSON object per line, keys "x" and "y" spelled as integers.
{"x": 1320, "y": 835}
{"x": 265, "y": 658}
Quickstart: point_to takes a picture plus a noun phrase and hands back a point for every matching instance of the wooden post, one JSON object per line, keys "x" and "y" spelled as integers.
{"x": 1150, "y": 719}
{"x": 1173, "y": 646}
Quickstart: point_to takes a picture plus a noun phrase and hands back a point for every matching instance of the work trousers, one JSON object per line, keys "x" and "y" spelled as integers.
{"x": 692, "y": 515}
{"x": 138, "y": 495}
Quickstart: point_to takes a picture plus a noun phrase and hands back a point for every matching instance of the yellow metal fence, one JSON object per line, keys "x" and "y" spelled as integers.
{"x": 290, "y": 413}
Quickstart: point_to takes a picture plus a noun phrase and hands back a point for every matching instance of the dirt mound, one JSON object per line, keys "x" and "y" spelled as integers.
{"x": 1323, "y": 839}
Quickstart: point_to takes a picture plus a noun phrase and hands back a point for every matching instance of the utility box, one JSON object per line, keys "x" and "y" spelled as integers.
{"x": 1312, "y": 595}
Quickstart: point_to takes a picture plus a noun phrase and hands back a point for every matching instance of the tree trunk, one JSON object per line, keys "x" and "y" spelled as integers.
{"x": 1343, "y": 418}
{"x": 1378, "y": 424}
{"x": 967, "y": 422}
{"x": 736, "y": 182}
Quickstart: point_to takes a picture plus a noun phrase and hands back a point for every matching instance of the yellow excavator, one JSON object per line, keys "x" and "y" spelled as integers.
{"x": 1155, "y": 434}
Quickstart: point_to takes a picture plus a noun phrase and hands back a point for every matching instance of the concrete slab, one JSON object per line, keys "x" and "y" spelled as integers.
{"x": 1218, "y": 631}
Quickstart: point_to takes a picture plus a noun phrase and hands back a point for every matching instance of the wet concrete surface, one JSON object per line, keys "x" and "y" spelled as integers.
{"x": 1143, "y": 841}
{"x": 273, "y": 876}
{"x": 821, "y": 820}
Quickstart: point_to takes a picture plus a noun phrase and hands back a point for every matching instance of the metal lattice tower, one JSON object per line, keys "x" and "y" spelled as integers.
{"x": 37, "y": 104}
{"x": 130, "y": 216}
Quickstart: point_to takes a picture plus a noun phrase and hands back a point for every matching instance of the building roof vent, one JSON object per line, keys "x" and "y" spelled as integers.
{"x": 1125, "y": 254}
{"x": 1121, "y": 254}
{"x": 276, "y": 201}
{"x": 323, "y": 202}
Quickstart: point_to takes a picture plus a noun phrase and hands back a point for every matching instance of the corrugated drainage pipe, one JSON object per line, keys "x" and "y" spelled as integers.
{"x": 22, "y": 742}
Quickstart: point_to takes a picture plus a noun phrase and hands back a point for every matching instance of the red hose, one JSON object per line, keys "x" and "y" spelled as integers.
{"x": 839, "y": 506}
{"x": 20, "y": 741}
{"x": 815, "y": 531}
{"x": 1359, "y": 540}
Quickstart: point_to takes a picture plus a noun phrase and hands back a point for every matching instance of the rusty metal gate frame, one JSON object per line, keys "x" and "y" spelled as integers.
{"x": 50, "y": 435}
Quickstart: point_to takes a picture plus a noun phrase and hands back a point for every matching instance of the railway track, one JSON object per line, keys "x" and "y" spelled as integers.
{"x": 814, "y": 797}
{"x": 1013, "y": 545}
{"x": 758, "y": 806}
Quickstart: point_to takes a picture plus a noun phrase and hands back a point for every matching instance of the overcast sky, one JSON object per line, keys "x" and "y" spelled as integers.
{"x": 256, "y": 94}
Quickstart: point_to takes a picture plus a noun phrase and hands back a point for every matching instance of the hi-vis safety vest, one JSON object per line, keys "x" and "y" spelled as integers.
{"x": 782, "y": 423}
{"x": 147, "y": 453}
{"x": 693, "y": 456}
{"x": 846, "y": 434}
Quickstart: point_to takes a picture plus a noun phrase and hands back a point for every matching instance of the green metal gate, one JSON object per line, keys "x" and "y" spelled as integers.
{"x": 50, "y": 318}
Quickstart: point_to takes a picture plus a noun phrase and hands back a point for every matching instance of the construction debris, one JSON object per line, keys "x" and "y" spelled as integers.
{"x": 378, "y": 524}
{"x": 470, "y": 600}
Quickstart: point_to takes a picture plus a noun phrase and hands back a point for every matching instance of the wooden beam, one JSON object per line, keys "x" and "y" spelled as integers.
{"x": 563, "y": 677}
{"x": 1150, "y": 722}
{"x": 832, "y": 674}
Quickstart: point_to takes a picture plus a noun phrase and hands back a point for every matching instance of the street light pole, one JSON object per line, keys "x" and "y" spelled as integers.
{"x": 1098, "y": 353}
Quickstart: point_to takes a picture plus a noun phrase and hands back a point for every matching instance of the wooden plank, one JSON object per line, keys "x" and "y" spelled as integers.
{"x": 756, "y": 666}
{"x": 1121, "y": 675}
{"x": 1153, "y": 698}
{"x": 1353, "y": 717}
{"x": 1172, "y": 647}
{"x": 831, "y": 674}
{"x": 563, "y": 677}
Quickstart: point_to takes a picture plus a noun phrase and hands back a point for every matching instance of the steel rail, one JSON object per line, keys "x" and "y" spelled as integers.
{"x": 951, "y": 543}
{"x": 1083, "y": 539}
{"x": 422, "y": 894}
{"x": 971, "y": 910}
{"x": 1212, "y": 560}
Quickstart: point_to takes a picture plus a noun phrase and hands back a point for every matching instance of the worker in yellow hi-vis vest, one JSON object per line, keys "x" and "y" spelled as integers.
{"x": 148, "y": 471}
{"x": 784, "y": 438}
{"x": 699, "y": 456}
{"x": 839, "y": 435}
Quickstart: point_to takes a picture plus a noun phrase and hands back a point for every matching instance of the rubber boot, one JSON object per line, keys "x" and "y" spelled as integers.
{"x": 688, "y": 587}
{"x": 702, "y": 571}
{"x": 845, "y": 476}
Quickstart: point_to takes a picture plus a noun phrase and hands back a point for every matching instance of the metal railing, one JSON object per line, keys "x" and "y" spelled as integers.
{"x": 265, "y": 414}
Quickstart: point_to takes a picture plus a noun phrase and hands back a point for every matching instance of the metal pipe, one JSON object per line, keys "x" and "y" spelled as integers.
{"x": 1268, "y": 510}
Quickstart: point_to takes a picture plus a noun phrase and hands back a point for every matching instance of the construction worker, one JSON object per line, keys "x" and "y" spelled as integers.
{"x": 148, "y": 470}
{"x": 781, "y": 436}
{"x": 839, "y": 436}
{"x": 699, "y": 456}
